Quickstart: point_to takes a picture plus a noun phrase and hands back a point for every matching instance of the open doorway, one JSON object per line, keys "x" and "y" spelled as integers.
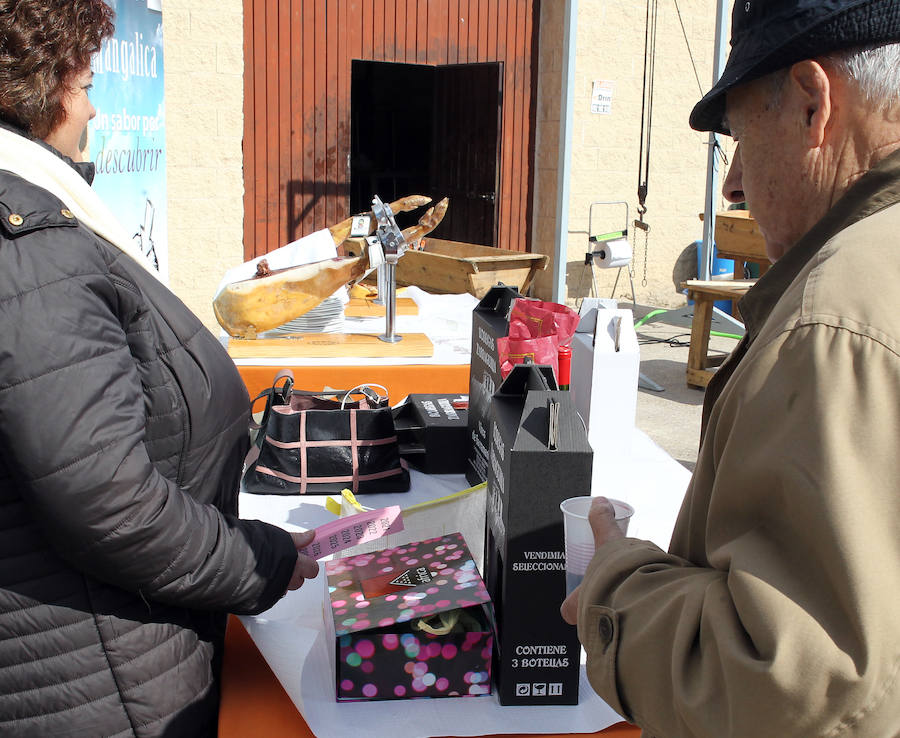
{"x": 431, "y": 130}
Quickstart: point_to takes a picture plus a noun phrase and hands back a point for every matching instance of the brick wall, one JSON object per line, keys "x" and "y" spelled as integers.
{"x": 605, "y": 148}
{"x": 204, "y": 119}
{"x": 204, "y": 129}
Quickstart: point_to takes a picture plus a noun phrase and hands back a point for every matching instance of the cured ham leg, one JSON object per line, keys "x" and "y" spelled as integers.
{"x": 341, "y": 231}
{"x": 273, "y": 297}
{"x": 247, "y": 308}
{"x": 427, "y": 223}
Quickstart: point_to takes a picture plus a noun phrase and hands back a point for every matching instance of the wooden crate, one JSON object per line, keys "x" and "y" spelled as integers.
{"x": 454, "y": 267}
{"x": 738, "y": 237}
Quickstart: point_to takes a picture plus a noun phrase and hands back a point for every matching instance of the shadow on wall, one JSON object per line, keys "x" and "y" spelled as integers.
{"x": 307, "y": 201}
{"x": 685, "y": 267}
{"x": 314, "y": 205}
{"x": 580, "y": 282}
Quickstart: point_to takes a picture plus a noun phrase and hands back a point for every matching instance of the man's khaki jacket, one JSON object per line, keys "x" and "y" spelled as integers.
{"x": 777, "y": 610}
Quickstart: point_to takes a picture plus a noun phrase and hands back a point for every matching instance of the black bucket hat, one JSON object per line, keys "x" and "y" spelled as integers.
{"x": 767, "y": 35}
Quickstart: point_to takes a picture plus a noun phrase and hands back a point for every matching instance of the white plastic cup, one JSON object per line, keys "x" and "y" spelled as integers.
{"x": 580, "y": 538}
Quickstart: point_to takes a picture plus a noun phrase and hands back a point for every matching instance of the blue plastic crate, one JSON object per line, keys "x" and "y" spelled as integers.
{"x": 718, "y": 267}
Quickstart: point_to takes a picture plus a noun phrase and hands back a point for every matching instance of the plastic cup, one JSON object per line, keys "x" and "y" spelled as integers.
{"x": 580, "y": 538}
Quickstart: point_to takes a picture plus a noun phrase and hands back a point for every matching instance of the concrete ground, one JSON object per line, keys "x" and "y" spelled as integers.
{"x": 671, "y": 417}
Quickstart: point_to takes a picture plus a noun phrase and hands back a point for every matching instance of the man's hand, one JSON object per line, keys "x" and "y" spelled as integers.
{"x": 569, "y": 608}
{"x": 602, "y": 517}
{"x": 305, "y": 568}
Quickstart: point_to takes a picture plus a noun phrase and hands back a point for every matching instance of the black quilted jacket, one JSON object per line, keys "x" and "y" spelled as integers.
{"x": 123, "y": 425}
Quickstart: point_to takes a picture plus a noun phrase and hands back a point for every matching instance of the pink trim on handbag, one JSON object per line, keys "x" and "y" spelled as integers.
{"x": 337, "y": 454}
{"x": 335, "y": 442}
{"x": 302, "y": 481}
{"x": 354, "y": 451}
{"x": 304, "y": 465}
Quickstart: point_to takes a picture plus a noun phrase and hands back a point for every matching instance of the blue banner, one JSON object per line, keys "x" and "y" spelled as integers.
{"x": 126, "y": 139}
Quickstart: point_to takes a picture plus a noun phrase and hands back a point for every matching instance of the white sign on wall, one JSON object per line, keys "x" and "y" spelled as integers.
{"x": 601, "y": 97}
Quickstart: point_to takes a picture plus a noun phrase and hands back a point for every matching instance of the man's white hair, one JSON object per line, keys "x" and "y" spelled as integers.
{"x": 875, "y": 70}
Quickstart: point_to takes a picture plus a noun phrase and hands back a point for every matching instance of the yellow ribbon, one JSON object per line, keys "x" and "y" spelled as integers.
{"x": 335, "y": 506}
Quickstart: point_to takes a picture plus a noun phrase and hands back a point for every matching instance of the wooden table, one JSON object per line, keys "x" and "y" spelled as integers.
{"x": 737, "y": 236}
{"x": 254, "y": 703}
{"x": 704, "y": 293}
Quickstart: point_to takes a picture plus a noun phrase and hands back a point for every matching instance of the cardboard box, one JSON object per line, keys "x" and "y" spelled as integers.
{"x": 490, "y": 321}
{"x": 432, "y": 432}
{"x": 378, "y": 602}
{"x": 537, "y": 654}
{"x": 604, "y": 386}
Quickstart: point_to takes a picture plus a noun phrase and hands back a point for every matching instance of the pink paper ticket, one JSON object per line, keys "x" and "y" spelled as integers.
{"x": 353, "y": 530}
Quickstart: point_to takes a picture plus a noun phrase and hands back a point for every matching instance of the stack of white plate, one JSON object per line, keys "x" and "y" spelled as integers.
{"x": 326, "y": 317}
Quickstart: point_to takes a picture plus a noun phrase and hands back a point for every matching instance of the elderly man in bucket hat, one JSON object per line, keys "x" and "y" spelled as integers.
{"x": 776, "y": 611}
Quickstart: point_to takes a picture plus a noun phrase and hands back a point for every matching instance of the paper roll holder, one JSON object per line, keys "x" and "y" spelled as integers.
{"x": 596, "y": 241}
{"x": 599, "y": 245}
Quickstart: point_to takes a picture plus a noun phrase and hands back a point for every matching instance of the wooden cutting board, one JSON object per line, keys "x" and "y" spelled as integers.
{"x": 330, "y": 345}
{"x": 366, "y": 307}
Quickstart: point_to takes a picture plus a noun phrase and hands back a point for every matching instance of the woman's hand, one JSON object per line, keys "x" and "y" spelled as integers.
{"x": 306, "y": 567}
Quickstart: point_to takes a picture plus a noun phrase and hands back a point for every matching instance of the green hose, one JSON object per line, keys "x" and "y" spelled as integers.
{"x": 654, "y": 313}
{"x": 647, "y": 317}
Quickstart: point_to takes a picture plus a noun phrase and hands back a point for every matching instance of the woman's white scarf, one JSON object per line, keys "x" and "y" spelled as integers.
{"x": 45, "y": 169}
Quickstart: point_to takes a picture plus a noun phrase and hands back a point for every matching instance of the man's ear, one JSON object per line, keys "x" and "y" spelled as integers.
{"x": 810, "y": 95}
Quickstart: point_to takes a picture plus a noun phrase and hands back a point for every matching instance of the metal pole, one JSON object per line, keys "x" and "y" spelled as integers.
{"x": 561, "y": 256}
{"x": 380, "y": 286}
{"x": 390, "y": 303}
{"x": 712, "y": 167}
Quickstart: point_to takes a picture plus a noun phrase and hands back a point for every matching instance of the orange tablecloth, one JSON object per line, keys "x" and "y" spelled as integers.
{"x": 255, "y": 704}
{"x": 400, "y": 379}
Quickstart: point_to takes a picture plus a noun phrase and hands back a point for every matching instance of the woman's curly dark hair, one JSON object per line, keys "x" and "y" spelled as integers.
{"x": 43, "y": 45}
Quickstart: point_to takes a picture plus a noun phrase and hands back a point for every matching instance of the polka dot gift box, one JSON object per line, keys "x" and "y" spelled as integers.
{"x": 409, "y": 622}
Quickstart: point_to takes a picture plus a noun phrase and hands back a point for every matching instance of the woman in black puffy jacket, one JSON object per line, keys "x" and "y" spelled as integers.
{"x": 123, "y": 426}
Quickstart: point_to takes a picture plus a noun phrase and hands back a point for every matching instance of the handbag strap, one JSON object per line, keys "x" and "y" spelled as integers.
{"x": 370, "y": 394}
{"x": 278, "y": 394}
{"x": 375, "y": 399}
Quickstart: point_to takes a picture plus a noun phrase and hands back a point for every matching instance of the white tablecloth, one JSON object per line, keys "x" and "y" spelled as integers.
{"x": 291, "y": 637}
{"x": 445, "y": 319}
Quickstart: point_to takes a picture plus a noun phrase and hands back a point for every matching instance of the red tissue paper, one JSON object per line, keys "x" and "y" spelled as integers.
{"x": 536, "y": 331}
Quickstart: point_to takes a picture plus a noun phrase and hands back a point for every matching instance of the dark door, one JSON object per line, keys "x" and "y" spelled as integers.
{"x": 466, "y": 149}
{"x": 431, "y": 130}
{"x": 390, "y": 132}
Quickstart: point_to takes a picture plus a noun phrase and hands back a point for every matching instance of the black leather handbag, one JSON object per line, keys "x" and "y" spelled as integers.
{"x": 323, "y": 442}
